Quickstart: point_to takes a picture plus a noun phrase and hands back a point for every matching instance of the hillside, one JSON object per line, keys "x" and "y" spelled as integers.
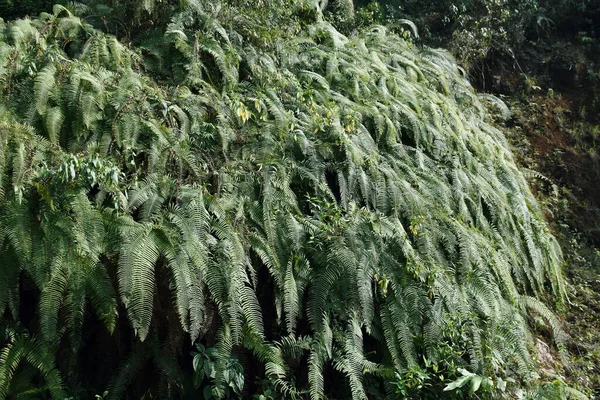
{"x": 227, "y": 200}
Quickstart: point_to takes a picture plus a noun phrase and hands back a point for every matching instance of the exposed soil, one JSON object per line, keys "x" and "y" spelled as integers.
{"x": 554, "y": 94}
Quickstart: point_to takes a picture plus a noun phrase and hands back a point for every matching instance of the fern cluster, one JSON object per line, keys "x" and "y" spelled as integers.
{"x": 332, "y": 205}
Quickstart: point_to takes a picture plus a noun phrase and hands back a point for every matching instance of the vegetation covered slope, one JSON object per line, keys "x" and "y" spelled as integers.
{"x": 327, "y": 218}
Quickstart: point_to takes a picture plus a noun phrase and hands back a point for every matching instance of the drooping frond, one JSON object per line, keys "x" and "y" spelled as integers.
{"x": 337, "y": 205}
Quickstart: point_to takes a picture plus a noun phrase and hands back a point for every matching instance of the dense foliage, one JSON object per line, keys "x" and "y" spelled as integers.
{"x": 487, "y": 36}
{"x": 320, "y": 216}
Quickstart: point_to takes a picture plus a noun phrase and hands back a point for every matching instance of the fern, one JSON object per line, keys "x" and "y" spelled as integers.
{"x": 18, "y": 350}
{"x": 325, "y": 203}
